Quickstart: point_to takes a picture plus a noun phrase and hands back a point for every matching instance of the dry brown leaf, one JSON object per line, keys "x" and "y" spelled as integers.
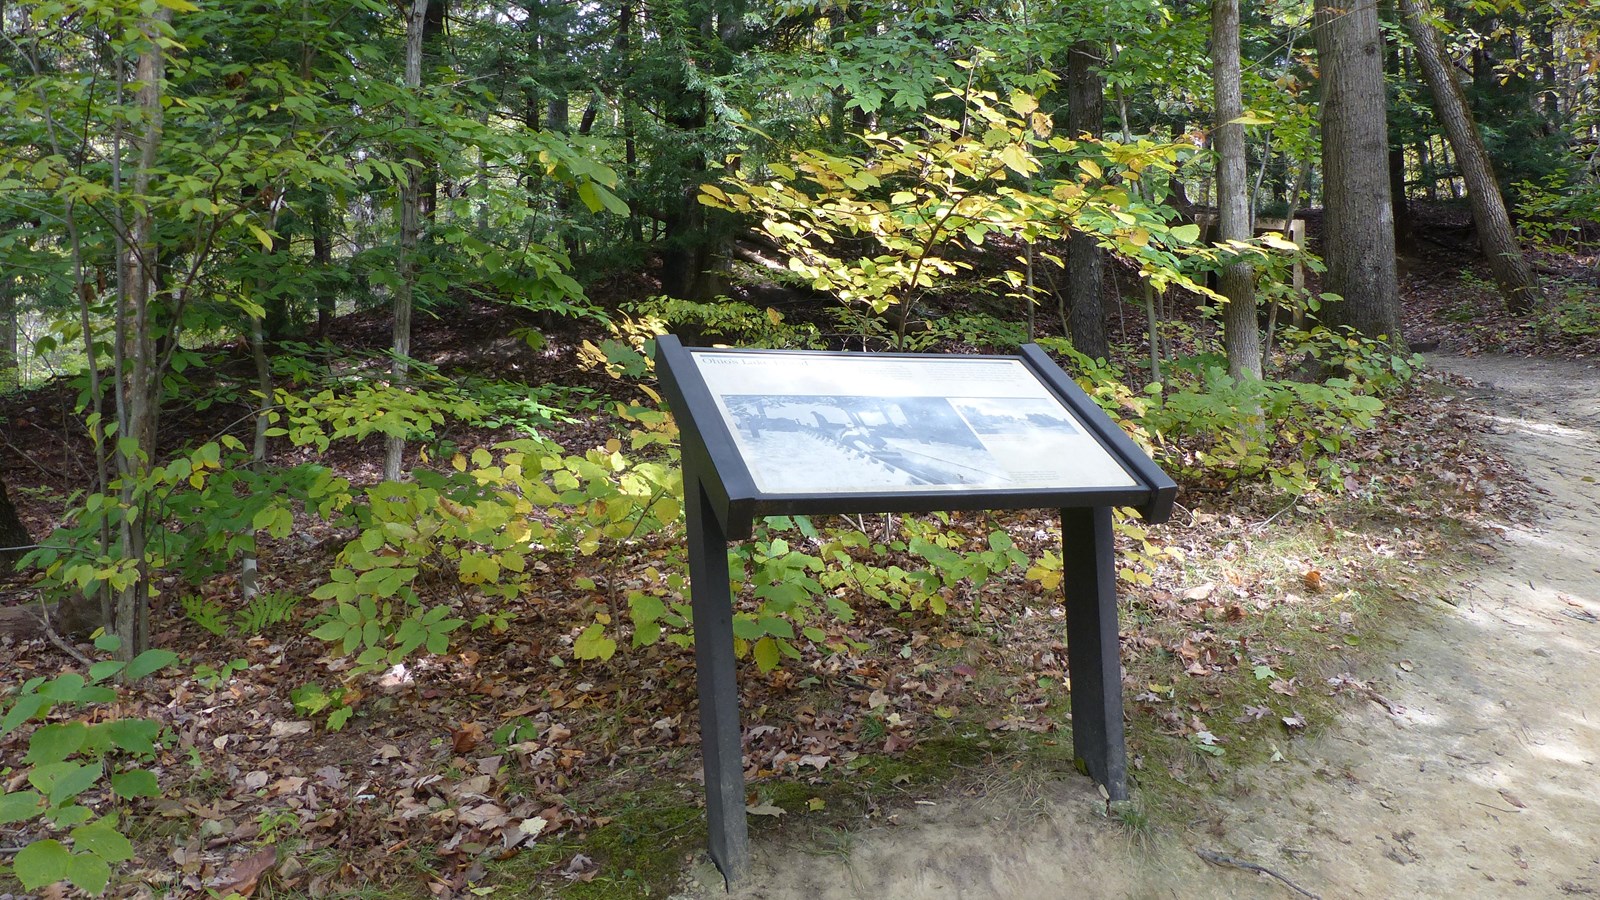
{"x": 243, "y": 876}
{"x": 466, "y": 737}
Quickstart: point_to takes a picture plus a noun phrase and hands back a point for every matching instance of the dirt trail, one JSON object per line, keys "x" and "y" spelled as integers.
{"x": 1485, "y": 784}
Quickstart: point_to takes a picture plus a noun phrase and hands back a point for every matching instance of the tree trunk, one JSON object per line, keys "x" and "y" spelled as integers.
{"x": 1358, "y": 221}
{"x": 1495, "y": 235}
{"x": 1241, "y": 336}
{"x": 14, "y": 538}
{"x": 410, "y": 234}
{"x": 10, "y": 374}
{"x": 138, "y": 360}
{"x": 322, "y": 263}
{"x": 1085, "y": 268}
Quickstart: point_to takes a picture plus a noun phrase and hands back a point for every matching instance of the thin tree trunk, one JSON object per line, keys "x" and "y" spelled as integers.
{"x": 10, "y": 370}
{"x": 140, "y": 395}
{"x": 410, "y": 234}
{"x": 322, "y": 263}
{"x": 1085, "y": 268}
{"x": 1358, "y": 221}
{"x": 1241, "y": 335}
{"x": 1495, "y": 235}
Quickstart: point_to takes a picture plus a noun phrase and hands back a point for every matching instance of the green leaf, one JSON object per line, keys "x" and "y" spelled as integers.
{"x": 72, "y": 780}
{"x": 593, "y": 644}
{"x": 1186, "y": 234}
{"x": 103, "y": 840}
{"x": 148, "y": 662}
{"x": 63, "y": 688}
{"x": 41, "y": 863}
{"x": 746, "y": 627}
{"x": 766, "y": 654}
{"x": 138, "y": 783}
{"x": 19, "y": 806}
{"x": 54, "y": 743}
{"x": 69, "y": 815}
{"x": 330, "y": 631}
{"x": 133, "y": 735}
{"x": 104, "y": 669}
{"x": 338, "y": 718}
{"x": 89, "y": 872}
{"x": 27, "y": 705}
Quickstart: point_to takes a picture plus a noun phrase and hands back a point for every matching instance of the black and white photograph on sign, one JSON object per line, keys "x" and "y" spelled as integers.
{"x": 1011, "y": 416}
{"x": 808, "y": 423}
{"x": 863, "y": 442}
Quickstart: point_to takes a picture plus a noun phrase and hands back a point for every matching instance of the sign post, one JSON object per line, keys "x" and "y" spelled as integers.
{"x": 768, "y": 432}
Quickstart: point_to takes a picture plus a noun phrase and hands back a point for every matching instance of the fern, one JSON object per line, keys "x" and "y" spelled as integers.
{"x": 267, "y": 609}
{"x": 205, "y": 612}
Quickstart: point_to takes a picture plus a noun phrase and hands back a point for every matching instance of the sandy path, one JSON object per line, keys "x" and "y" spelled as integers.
{"x": 1487, "y": 784}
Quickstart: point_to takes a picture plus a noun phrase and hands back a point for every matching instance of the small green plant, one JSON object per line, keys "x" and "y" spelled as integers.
{"x": 79, "y": 774}
{"x": 205, "y": 612}
{"x": 729, "y": 321}
{"x": 312, "y": 699}
{"x": 212, "y": 677}
{"x": 1574, "y": 317}
{"x": 265, "y": 610}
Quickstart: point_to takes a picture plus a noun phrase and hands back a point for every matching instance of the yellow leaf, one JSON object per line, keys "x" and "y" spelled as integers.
{"x": 1016, "y": 160}
{"x": 1023, "y": 103}
{"x": 261, "y": 235}
{"x": 1091, "y": 167}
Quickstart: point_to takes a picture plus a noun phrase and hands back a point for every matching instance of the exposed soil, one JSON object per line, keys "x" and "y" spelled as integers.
{"x": 1470, "y": 772}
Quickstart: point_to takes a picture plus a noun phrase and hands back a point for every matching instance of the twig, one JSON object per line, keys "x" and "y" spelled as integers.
{"x": 31, "y": 461}
{"x": 1495, "y": 808}
{"x": 60, "y": 642}
{"x": 1217, "y": 859}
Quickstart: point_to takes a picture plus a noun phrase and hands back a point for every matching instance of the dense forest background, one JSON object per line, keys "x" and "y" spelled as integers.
{"x": 338, "y": 314}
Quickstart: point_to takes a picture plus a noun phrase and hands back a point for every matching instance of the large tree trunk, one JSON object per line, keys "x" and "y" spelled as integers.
{"x": 14, "y": 538}
{"x": 1511, "y": 270}
{"x": 1358, "y": 221}
{"x": 1241, "y": 336}
{"x": 1085, "y": 270}
{"x": 410, "y": 237}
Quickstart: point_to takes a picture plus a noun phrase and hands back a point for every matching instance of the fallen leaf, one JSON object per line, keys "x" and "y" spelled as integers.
{"x": 282, "y": 728}
{"x": 765, "y": 809}
{"x": 243, "y": 876}
{"x": 1512, "y": 799}
{"x": 467, "y": 737}
{"x": 1294, "y": 723}
{"x": 1200, "y": 592}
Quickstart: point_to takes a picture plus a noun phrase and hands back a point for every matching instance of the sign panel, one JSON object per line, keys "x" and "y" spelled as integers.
{"x": 818, "y": 423}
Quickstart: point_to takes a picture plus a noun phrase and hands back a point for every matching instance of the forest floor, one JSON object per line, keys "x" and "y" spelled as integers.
{"x": 1470, "y": 773}
{"x": 1298, "y": 697}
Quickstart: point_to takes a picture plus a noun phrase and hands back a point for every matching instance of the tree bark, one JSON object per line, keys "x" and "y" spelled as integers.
{"x": 1495, "y": 235}
{"x": 14, "y": 537}
{"x": 138, "y": 362}
{"x": 1241, "y": 336}
{"x": 410, "y": 237}
{"x": 1358, "y": 220}
{"x": 1085, "y": 267}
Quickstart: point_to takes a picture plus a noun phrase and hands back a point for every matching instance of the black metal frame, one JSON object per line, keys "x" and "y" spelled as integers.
{"x": 722, "y": 503}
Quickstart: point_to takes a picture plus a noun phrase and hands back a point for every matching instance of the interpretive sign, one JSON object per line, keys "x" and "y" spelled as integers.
{"x": 768, "y": 432}
{"x": 811, "y": 424}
